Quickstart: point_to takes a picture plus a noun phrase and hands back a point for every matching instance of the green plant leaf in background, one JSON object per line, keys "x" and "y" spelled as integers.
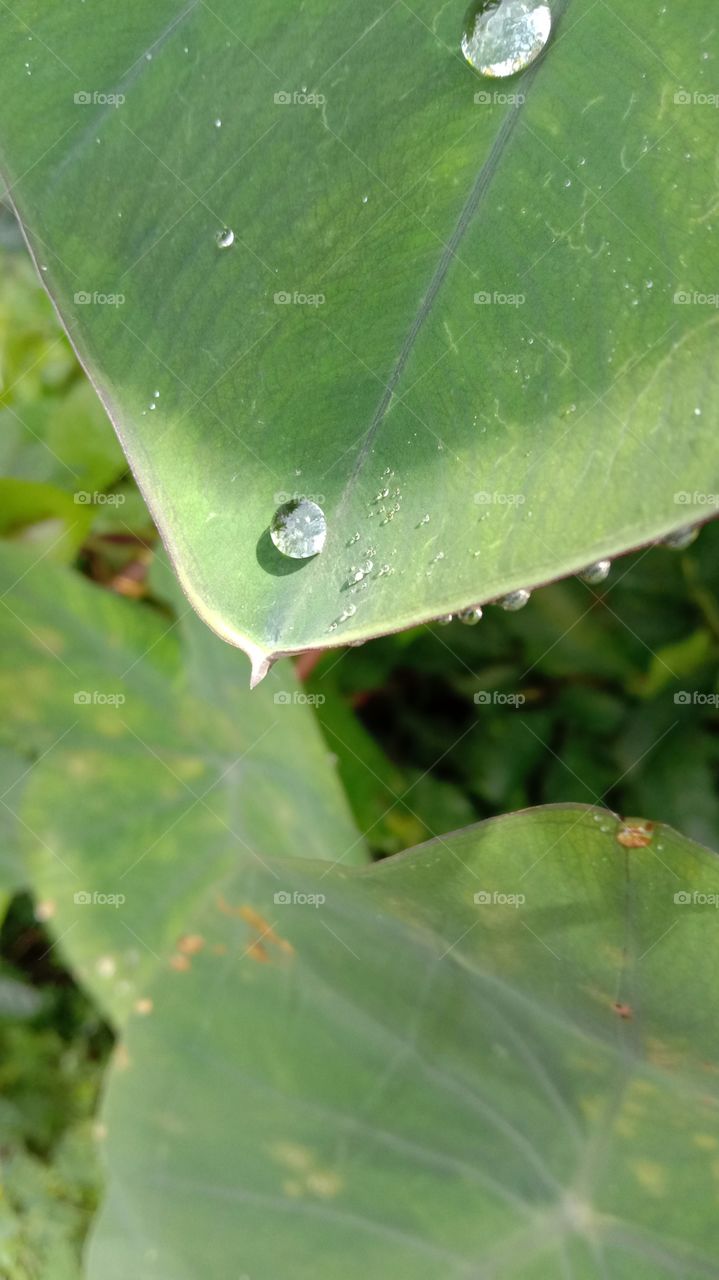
{"x": 473, "y": 319}
{"x": 155, "y": 771}
{"x": 489, "y": 1057}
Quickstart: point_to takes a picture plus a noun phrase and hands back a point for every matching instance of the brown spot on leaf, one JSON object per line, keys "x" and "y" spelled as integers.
{"x": 623, "y": 1010}
{"x": 256, "y": 951}
{"x": 180, "y": 963}
{"x": 635, "y": 833}
{"x": 191, "y": 944}
{"x": 144, "y": 1006}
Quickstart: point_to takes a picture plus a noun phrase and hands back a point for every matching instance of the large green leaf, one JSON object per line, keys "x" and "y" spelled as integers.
{"x": 494, "y": 1056}
{"x": 154, "y": 772}
{"x": 514, "y": 442}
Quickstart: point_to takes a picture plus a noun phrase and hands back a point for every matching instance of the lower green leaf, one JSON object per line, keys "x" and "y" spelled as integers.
{"x": 490, "y": 1057}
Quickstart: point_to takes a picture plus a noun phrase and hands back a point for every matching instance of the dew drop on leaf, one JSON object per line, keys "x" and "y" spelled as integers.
{"x": 682, "y": 538}
{"x": 299, "y": 529}
{"x": 470, "y": 617}
{"x": 225, "y": 238}
{"x": 596, "y": 573}
{"x": 502, "y": 37}
{"x": 515, "y": 600}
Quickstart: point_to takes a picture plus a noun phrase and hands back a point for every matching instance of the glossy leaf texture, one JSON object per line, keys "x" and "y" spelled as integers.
{"x": 474, "y": 320}
{"x": 489, "y": 1057}
{"x": 138, "y": 771}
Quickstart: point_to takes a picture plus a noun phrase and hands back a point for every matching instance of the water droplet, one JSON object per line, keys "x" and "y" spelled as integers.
{"x": 502, "y": 37}
{"x": 445, "y": 621}
{"x": 682, "y": 538}
{"x": 385, "y": 570}
{"x": 424, "y": 520}
{"x": 515, "y": 600}
{"x": 218, "y": 123}
{"x": 299, "y": 529}
{"x": 596, "y": 573}
{"x": 225, "y": 238}
{"x": 355, "y": 538}
{"x": 470, "y": 617}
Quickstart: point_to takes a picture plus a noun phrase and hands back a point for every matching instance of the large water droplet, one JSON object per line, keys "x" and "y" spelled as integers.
{"x": 502, "y": 37}
{"x": 470, "y": 617}
{"x": 299, "y": 529}
{"x": 682, "y": 538}
{"x": 596, "y": 573}
{"x": 515, "y": 600}
{"x": 225, "y": 238}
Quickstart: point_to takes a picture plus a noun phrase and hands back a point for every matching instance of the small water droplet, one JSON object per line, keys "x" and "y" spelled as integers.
{"x": 470, "y": 617}
{"x": 515, "y": 600}
{"x": 424, "y": 520}
{"x": 299, "y": 529}
{"x": 682, "y": 538}
{"x": 445, "y": 621}
{"x": 596, "y": 573}
{"x": 225, "y": 238}
{"x": 502, "y": 38}
{"x": 218, "y": 123}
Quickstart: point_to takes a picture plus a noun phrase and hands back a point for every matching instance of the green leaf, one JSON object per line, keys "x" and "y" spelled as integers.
{"x": 534, "y": 437}
{"x": 406, "y": 1081}
{"x": 13, "y": 873}
{"x": 46, "y": 517}
{"x": 52, "y": 429}
{"x": 158, "y": 772}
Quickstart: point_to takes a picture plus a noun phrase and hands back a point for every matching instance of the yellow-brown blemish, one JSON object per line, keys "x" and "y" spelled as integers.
{"x": 191, "y": 944}
{"x": 180, "y": 963}
{"x": 121, "y": 1060}
{"x": 144, "y": 1006}
{"x": 625, "y": 1126}
{"x": 635, "y": 833}
{"x": 624, "y": 1011}
{"x": 652, "y": 1177}
{"x": 705, "y": 1142}
{"x": 256, "y": 951}
{"x": 324, "y": 1185}
{"x": 219, "y": 949}
{"x": 308, "y": 1178}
